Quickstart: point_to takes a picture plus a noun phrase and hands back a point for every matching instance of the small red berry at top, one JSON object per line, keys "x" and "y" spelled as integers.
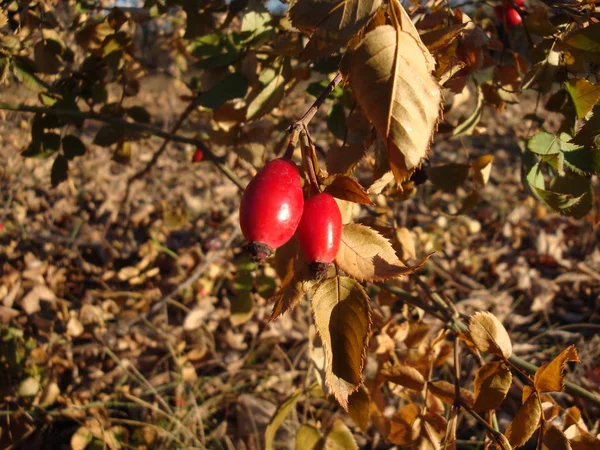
{"x": 507, "y": 14}
{"x": 320, "y": 232}
{"x": 271, "y": 207}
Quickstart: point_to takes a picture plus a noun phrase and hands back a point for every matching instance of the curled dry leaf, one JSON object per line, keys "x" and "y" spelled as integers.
{"x": 366, "y": 255}
{"x": 482, "y": 168}
{"x": 390, "y": 74}
{"x": 342, "y": 316}
{"x": 492, "y": 382}
{"x": 525, "y": 421}
{"x": 286, "y": 298}
{"x": 406, "y": 376}
{"x": 331, "y": 22}
{"x": 489, "y": 335}
{"x": 550, "y": 377}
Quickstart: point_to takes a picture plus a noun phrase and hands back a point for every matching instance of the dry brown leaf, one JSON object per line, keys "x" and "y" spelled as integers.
{"x": 550, "y": 377}
{"x": 346, "y": 188}
{"x": 489, "y": 335}
{"x": 366, "y": 255}
{"x": 482, "y": 168}
{"x": 554, "y": 439}
{"x": 332, "y": 23}
{"x": 445, "y": 392}
{"x": 342, "y": 316}
{"x": 359, "y": 405}
{"x": 402, "y": 430}
{"x": 286, "y": 298}
{"x": 492, "y": 382}
{"x": 525, "y": 421}
{"x": 406, "y": 376}
{"x": 390, "y": 74}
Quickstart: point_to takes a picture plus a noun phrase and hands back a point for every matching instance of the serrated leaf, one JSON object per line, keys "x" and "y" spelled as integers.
{"x": 589, "y": 134}
{"x": 288, "y": 296}
{"x": 583, "y": 160}
{"x": 367, "y": 256}
{"x": 585, "y": 95}
{"x": 467, "y": 126}
{"x": 268, "y": 98}
{"x": 448, "y": 177}
{"x": 59, "y": 171}
{"x": 445, "y": 391}
{"x": 406, "y": 376}
{"x": 550, "y": 377}
{"x": 108, "y": 135}
{"x": 570, "y": 195}
{"x": 492, "y": 382}
{"x": 279, "y": 417}
{"x": 359, "y": 404}
{"x": 72, "y": 146}
{"x": 380, "y": 183}
{"x": 525, "y": 421}
{"x": 489, "y": 335}
{"x": 232, "y": 86}
{"x": 308, "y": 438}
{"x": 332, "y": 23}
{"x": 391, "y": 79}
{"x": 340, "y": 307}
{"x": 346, "y": 188}
{"x": 538, "y": 23}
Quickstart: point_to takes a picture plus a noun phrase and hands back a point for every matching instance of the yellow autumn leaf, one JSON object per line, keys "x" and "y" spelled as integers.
{"x": 492, "y": 382}
{"x": 550, "y": 377}
{"x": 525, "y": 421}
{"x": 489, "y": 335}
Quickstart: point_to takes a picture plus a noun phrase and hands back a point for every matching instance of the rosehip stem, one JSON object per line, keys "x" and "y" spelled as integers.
{"x": 296, "y": 128}
{"x": 308, "y": 157}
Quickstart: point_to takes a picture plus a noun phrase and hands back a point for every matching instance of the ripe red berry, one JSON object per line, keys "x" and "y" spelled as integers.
{"x": 507, "y": 14}
{"x": 320, "y": 230}
{"x": 198, "y": 156}
{"x": 271, "y": 207}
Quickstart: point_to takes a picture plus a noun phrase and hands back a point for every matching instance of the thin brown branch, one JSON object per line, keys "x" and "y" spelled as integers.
{"x": 216, "y": 160}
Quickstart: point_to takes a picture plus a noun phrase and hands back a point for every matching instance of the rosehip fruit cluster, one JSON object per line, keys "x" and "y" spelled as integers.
{"x": 273, "y": 209}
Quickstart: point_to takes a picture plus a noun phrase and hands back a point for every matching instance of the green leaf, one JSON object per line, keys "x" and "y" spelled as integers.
{"x": 585, "y": 95}
{"x": 122, "y": 154}
{"x": 449, "y": 177}
{"x": 232, "y": 86}
{"x": 60, "y": 170}
{"x": 279, "y": 417}
{"x": 108, "y": 135}
{"x": 72, "y": 146}
{"x": 26, "y": 76}
{"x": 268, "y": 98}
{"x": 219, "y": 61}
{"x": 543, "y": 143}
{"x": 586, "y": 39}
{"x": 336, "y": 121}
{"x": 308, "y": 438}
{"x": 340, "y": 437}
{"x": 571, "y": 187}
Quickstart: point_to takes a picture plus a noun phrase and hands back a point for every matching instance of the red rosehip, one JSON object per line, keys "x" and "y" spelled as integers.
{"x": 198, "y": 156}
{"x": 507, "y": 15}
{"x": 271, "y": 207}
{"x": 320, "y": 231}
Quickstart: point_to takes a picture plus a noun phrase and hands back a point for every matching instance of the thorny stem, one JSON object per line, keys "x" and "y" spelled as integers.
{"x": 441, "y": 310}
{"x": 217, "y": 161}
